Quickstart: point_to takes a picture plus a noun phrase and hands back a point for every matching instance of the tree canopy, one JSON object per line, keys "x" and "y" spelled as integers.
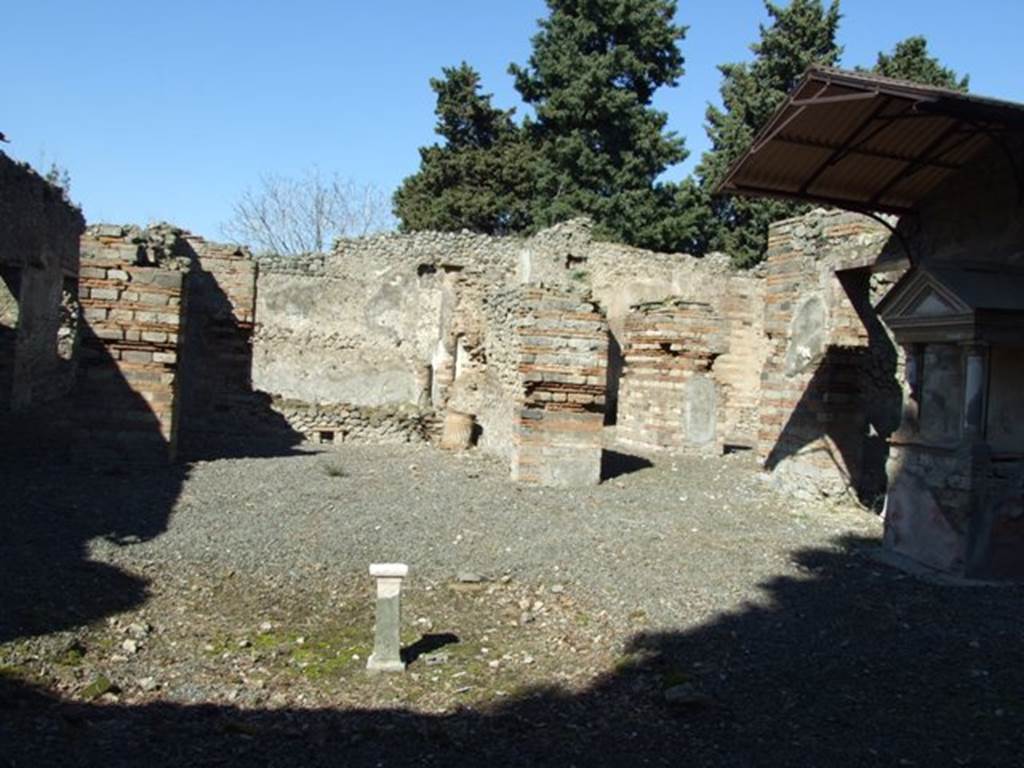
{"x": 910, "y": 60}
{"x": 600, "y": 146}
{"x": 799, "y": 35}
{"x": 594, "y": 145}
{"x": 480, "y": 178}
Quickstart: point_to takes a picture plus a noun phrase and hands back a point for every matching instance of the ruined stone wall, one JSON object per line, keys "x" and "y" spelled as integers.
{"x": 667, "y": 397}
{"x": 385, "y": 321}
{"x": 384, "y": 318}
{"x": 828, "y": 391}
{"x": 127, "y": 394}
{"x": 39, "y": 311}
{"x": 217, "y": 400}
{"x": 693, "y": 366}
{"x": 167, "y": 340}
{"x": 563, "y": 352}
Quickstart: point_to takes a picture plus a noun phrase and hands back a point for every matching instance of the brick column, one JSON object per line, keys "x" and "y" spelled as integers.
{"x": 563, "y": 359}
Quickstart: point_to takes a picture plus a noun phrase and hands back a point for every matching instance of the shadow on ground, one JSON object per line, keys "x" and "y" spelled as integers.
{"x": 848, "y": 664}
{"x": 427, "y": 645}
{"x": 615, "y": 464}
{"x": 75, "y": 471}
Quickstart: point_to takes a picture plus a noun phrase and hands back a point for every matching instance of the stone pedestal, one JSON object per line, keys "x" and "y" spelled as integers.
{"x": 387, "y": 645}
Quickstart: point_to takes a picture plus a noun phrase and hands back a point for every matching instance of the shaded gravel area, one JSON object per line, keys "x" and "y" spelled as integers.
{"x": 219, "y": 614}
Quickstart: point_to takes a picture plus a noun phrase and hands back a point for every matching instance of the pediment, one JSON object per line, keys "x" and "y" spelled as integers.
{"x": 922, "y": 297}
{"x": 930, "y": 303}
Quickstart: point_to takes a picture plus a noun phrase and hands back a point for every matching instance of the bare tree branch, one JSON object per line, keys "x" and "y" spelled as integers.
{"x": 291, "y": 216}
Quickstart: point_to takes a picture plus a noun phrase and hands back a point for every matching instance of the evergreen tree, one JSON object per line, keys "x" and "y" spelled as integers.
{"x": 480, "y": 178}
{"x": 909, "y": 60}
{"x": 595, "y": 67}
{"x": 800, "y": 35}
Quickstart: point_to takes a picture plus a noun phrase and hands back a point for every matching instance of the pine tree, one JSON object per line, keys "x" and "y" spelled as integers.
{"x": 800, "y": 35}
{"x": 595, "y": 67}
{"x": 480, "y": 177}
{"x": 909, "y": 60}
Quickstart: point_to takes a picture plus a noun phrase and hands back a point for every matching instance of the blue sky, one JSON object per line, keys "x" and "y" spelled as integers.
{"x": 167, "y": 111}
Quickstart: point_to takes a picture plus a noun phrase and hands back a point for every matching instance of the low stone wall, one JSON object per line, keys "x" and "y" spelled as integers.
{"x": 563, "y": 343}
{"x": 334, "y": 423}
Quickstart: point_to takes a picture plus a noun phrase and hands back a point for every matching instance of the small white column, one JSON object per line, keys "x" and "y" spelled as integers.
{"x": 387, "y": 644}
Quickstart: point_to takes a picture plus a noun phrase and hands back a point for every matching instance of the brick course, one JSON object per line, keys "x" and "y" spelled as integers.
{"x": 563, "y": 354}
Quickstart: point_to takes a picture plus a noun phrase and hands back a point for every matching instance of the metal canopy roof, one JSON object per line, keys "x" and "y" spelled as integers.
{"x": 867, "y": 143}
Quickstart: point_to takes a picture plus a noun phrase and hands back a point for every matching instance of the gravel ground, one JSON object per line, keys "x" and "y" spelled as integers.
{"x": 219, "y": 615}
{"x": 631, "y": 540}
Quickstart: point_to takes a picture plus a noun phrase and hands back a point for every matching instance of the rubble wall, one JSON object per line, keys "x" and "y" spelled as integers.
{"x": 428, "y": 319}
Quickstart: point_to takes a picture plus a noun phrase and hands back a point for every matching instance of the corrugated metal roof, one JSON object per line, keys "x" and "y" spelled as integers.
{"x": 866, "y": 142}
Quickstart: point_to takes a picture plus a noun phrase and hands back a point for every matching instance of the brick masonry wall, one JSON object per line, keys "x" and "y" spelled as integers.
{"x": 195, "y": 391}
{"x": 217, "y": 398}
{"x": 667, "y": 397}
{"x": 821, "y": 350}
{"x": 738, "y": 370}
{"x": 563, "y": 353}
{"x": 127, "y": 391}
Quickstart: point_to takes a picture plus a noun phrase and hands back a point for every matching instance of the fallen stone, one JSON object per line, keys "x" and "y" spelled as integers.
{"x": 148, "y": 684}
{"x": 99, "y": 686}
{"x": 139, "y": 629}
